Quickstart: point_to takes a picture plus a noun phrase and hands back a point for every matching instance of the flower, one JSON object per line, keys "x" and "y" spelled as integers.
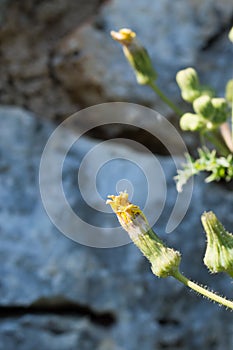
{"x": 165, "y": 261}
{"x": 136, "y": 55}
{"x": 124, "y": 36}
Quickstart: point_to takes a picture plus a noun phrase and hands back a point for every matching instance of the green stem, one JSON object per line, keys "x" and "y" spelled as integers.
{"x": 215, "y": 139}
{"x": 165, "y": 99}
{"x": 201, "y": 290}
{"x": 232, "y": 120}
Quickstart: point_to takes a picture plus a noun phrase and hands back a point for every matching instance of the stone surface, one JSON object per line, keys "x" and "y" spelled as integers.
{"x": 92, "y": 67}
{"x": 29, "y": 30}
{"x": 41, "y": 268}
{"x": 52, "y": 66}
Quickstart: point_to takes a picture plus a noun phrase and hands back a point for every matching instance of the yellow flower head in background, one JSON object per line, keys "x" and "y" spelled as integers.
{"x": 124, "y": 36}
{"x": 136, "y": 55}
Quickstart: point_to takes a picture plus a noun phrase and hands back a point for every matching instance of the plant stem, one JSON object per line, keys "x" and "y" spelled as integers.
{"x": 227, "y": 135}
{"x": 201, "y": 290}
{"x": 232, "y": 120}
{"x": 165, "y": 99}
{"x": 215, "y": 139}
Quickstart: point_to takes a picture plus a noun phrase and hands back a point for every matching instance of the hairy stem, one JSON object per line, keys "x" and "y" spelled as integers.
{"x": 201, "y": 290}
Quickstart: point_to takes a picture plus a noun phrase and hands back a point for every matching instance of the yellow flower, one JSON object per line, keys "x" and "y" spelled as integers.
{"x": 164, "y": 261}
{"x": 136, "y": 55}
{"x": 129, "y": 215}
{"x": 124, "y": 36}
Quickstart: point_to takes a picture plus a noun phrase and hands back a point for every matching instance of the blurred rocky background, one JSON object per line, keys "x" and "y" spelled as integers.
{"x": 56, "y": 57}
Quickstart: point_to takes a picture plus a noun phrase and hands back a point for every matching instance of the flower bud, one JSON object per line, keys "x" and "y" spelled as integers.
{"x": 229, "y": 91}
{"x": 219, "y": 251}
{"x": 203, "y": 107}
{"x": 164, "y": 261}
{"x": 187, "y": 79}
{"x": 190, "y": 95}
{"x": 192, "y": 122}
{"x": 221, "y": 112}
{"x": 230, "y": 35}
{"x": 136, "y": 55}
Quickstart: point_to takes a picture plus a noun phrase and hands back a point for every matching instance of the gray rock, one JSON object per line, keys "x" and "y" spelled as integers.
{"x": 39, "y": 267}
{"x": 29, "y": 31}
{"x": 55, "y": 332}
{"x": 178, "y": 34}
{"x": 3, "y": 9}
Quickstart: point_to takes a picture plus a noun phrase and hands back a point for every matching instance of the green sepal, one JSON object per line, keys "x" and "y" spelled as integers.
{"x": 219, "y": 251}
{"x": 140, "y": 61}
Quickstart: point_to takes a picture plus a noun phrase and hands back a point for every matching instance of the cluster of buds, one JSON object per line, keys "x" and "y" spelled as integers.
{"x": 209, "y": 113}
{"x": 219, "y": 251}
{"x": 164, "y": 261}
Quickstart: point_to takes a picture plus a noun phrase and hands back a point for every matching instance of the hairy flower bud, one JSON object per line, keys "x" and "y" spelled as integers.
{"x": 136, "y": 55}
{"x": 192, "y": 122}
{"x": 164, "y": 261}
{"x": 219, "y": 251}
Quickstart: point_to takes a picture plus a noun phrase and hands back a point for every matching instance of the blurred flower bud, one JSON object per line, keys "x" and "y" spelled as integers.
{"x": 187, "y": 79}
{"x": 221, "y": 112}
{"x": 192, "y": 122}
{"x": 203, "y": 107}
{"x": 164, "y": 261}
{"x": 190, "y": 95}
{"x": 230, "y": 35}
{"x": 136, "y": 55}
{"x": 229, "y": 91}
{"x": 219, "y": 251}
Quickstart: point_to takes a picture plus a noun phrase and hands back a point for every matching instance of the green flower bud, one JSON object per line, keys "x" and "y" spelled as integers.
{"x": 192, "y": 122}
{"x": 190, "y": 95}
{"x": 187, "y": 79}
{"x": 203, "y": 107}
{"x": 164, "y": 261}
{"x": 229, "y": 91}
{"x": 136, "y": 55}
{"x": 219, "y": 251}
{"x": 221, "y": 112}
{"x": 230, "y": 35}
